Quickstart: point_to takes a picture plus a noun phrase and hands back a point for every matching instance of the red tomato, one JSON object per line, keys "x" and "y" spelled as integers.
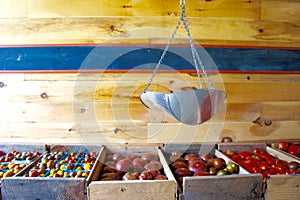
{"x": 283, "y": 146}
{"x": 279, "y": 169}
{"x": 245, "y": 154}
{"x": 271, "y": 160}
{"x": 264, "y": 166}
{"x": 256, "y": 169}
{"x": 228, "y": 152}
{"x": 294, "y": 150}
{"x": 248, "y": 165}
{"x": 236, "y": 158}
{"x": 265, "y": 174}
{"x": 251, "y": 159}
{"x": 257, "y": 151}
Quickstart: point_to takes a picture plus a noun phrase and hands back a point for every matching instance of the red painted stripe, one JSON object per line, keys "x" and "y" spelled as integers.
{"x": 147, "y": 71}
{"x": 150, "y": 45}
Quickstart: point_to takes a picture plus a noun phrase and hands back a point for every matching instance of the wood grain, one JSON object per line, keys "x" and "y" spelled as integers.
{"x": 110, "y": 109}
{"x": 227, "y": 22}
{"x": 155, "y": 189}
{"x": 26, "y": 188}
{"x": 108, "y": 91}
{"x": 140, "y": 30}
{"x": 282, "y": 186}
{"x": 136, "y": 189}
{"x": 205, "y": 187}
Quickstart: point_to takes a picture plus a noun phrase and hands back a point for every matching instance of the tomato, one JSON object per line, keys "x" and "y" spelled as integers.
{"x": 247, "y": 165}
{"x": 264, "y": 166}
{"x": 251, "y": 159}
{"x": 279, "y": 169}
{"x": 197, "y": 166}
{"x": 282, "y": 163}
{"x": 294, "y": 150}
{"x": 256, "y": 169}
{"x": 189, "y": 156}
{"x": 236, "y": 158}
{"x": 228, "y": 152}
{"x": 271, "y": 160}
{"x": 265, "y": 174}
{"x": 200, "y": 173}
{"x": 219, "y": 163}
{"x": 283, "y": 146}
{"x": 257, "y": 151}
{"x": 244, "y": 154}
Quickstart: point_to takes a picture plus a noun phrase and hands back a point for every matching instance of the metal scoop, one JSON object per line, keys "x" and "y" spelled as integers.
{"x": 191, "y": 107}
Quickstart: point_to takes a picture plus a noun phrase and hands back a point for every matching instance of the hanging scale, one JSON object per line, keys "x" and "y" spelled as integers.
{"x": 191, "y": 107}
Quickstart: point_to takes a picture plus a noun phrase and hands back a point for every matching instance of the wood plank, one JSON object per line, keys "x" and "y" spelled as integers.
{"x": 136, "y": 189}
{"x": 42, "y": 188}
{"x": 144, "y": 30}
{"x": 91, "y": 111}
{"x": 12, "y": 9}
{"x": 226, "y": 9}
{"x": 127, "y": 132}
{"x": 24, "y": 112}
{"x": 280, "y": 110}
{"x": 22, "y": 147}
{"x": 283, "y": 186}
{"x": 226, "y": 186}
{"x": 274, "y": 10}
{"x": 11, "y": 77}
{"x": 160, "y": 76}
{"x": 129, "y": 91}
{"x": 214, "y": 132}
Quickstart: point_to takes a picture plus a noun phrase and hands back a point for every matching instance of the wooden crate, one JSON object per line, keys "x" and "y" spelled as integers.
{"x": 21, "y": 148}
{"x": 274, "y": 146}
{"x": 236, "y": 186}
{"x": 276, "y": 187}
{"x": 52, "y": 188}
{"x": 135, "y": 189}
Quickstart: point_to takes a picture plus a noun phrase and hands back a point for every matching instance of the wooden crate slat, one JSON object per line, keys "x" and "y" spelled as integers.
{"x": 132, "y": 187}
{"x": 42, "y": 188}
{"x": 22, "y": 147}
{"x": 282, "y": 155}
{"x": 236, "y": 147}
{"x": 135, "y": 189}
{"x": 282, "y": 187}
{"x": 158, "y": 196}
{"x": 224, "y": 187}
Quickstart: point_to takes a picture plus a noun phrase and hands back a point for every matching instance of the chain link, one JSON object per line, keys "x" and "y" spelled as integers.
{"x": 195, "y": 55}
{"x": 163, "y": 55}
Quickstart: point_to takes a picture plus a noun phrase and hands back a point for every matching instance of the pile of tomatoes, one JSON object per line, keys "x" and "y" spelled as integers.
{"x": 259, "y": 161}
{"x": 289, "y": 147}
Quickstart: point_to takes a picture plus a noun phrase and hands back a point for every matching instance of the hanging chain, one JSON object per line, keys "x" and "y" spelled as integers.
{"x": 185, "y": 23}
{"x": 195, "y": 54}
{"x": 163, "y": 55}
{"x": 196, "y": 58}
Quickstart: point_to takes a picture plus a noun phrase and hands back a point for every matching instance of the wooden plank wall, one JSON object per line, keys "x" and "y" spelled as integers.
{"x": 80, "y": 107}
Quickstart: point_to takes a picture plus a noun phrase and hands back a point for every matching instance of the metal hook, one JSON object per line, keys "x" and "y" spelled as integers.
{"x": 182, "y": 3}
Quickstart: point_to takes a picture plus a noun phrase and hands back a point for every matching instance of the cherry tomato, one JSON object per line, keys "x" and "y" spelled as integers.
{"x": 283, "y": 146}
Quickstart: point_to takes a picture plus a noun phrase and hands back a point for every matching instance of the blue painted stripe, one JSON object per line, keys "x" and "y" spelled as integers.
{"x": 145, "y": 57}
